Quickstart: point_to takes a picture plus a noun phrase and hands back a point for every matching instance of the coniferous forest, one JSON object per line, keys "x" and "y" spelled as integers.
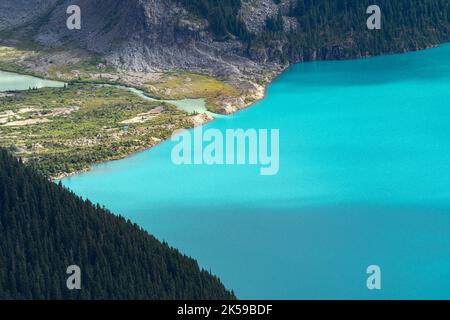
{"x": 44, "y": 229}
{"x": 327, "y": 25}
{"x": 332, "y": 29}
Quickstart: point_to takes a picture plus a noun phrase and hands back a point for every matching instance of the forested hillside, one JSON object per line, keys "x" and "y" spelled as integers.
{"x": 337, "y": 29}
{"x": 296, "y": 30}
{"x": 45, "y": 228}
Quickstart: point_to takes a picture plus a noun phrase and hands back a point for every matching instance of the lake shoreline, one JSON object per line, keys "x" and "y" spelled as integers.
{"x": 358, "y": 164}
{"x": 260, "y": 96}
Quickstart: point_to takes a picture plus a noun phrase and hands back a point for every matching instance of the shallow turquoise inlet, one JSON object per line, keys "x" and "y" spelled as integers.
{"x": 364, "y": 179}
{"x": 12, "y": 81}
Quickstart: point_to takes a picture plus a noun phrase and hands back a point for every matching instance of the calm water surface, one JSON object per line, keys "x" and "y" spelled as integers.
{"x": 364, "y": 179}
{"x": 12, "y": 81}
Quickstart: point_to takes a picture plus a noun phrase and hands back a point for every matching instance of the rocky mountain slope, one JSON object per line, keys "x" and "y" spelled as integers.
{"x": 150, "y": 35}
{"x": 139, "y": 35}
{"x": 244, "y": 42}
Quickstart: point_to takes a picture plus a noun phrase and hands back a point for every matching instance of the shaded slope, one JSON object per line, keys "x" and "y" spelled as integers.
{"x": 45, "y": 228}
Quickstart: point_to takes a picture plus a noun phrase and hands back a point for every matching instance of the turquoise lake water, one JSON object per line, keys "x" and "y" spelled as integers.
{"x": 364, "y": 180}
{"x": 13, "y": 81}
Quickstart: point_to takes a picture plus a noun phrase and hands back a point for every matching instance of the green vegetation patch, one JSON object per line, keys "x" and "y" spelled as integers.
{"x": 76, "y": 65}
{"x": 93, "y": 69}
{"x": 63, "y": 130}
{"x": 11, "y": 58}
{"x": 178, "y": 86}
{"x": 9, "y": 53}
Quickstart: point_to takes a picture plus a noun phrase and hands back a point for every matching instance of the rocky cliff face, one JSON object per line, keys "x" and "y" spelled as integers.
{"x": 255, "y": 12}
{"x": 19, "y": 12}
{"x": 138, "y": 35}
{"x": 164, "y": 35}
